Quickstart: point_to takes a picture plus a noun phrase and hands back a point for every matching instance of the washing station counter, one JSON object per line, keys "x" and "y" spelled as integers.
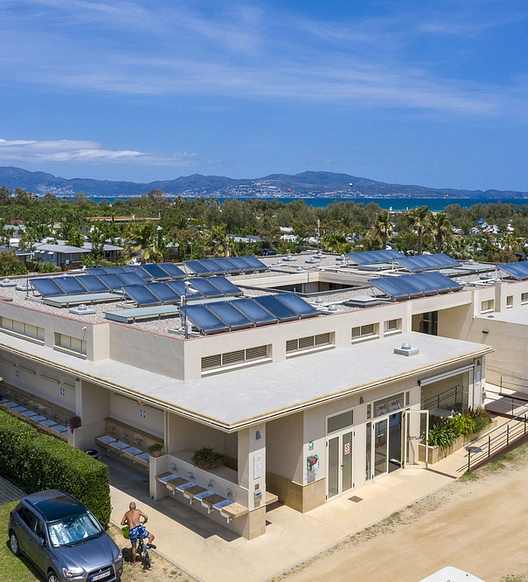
{"x": 214, "y": 493}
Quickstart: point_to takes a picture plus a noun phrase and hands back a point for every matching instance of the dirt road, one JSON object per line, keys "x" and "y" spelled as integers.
{"x": 477, "y": 525}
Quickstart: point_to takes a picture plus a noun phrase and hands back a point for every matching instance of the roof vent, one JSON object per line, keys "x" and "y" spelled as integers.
{"x": 319, "y": 300}
{"x": 82, "y": 309}
{"x": 332, "y": 308}
{"x": 406, "y": 350}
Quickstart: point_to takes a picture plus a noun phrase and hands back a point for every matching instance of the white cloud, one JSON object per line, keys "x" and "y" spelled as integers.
{"x": 73, "y": 151}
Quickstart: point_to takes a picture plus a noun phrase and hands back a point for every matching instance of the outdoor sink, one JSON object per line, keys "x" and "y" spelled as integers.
{"x": 166, "y": 478}
{"x": 210, "y": 500}
{"x": 203, "y": 495}
{"x": 118, "y": 445}
{"x": 181, "y": 488}
{"x": 191, "y": 492}
{"x": 106, "y": 439}
{"x": 144, "y": 457}
{"x": 172, "y": 484}
{"x": 221, "y": 504}
{"x": 38, "y": 418}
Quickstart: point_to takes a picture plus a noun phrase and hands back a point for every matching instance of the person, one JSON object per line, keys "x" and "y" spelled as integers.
{"x": 136, "y": 528}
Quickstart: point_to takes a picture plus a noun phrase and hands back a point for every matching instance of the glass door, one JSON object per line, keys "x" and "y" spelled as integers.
{"x": 340, "y": 465}
{"x": 416, "y": 429}
{"x": 380, "y": 447}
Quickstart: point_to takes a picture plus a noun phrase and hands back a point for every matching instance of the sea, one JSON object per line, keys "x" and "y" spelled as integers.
{"x": 391, "y": 204}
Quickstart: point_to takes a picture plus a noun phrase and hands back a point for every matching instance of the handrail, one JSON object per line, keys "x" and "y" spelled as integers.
{"x": 442, "y": 396}
{"x": 497, "y": 439}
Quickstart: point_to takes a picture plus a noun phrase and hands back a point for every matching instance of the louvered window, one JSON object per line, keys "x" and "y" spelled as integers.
{"x": 308, "y": 342}
{"x": 393, "y": 325}
{"x": 21, "y": 328}
{"x": 228, "y": 359}
{"x": 70, "y": 343}
{"x": 364, "y": 331}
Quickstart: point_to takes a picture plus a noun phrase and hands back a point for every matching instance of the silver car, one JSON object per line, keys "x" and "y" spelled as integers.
{"x": 63, "y": 539}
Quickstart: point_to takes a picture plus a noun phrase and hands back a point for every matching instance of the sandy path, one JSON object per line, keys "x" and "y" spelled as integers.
{"x": 479, "y": 526}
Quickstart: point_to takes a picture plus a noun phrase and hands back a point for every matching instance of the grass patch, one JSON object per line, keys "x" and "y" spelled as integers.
{"x": 468, "y": 476}
{"x": 13, "y": 569}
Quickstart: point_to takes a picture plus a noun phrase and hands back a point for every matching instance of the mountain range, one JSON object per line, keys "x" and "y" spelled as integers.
{"x": 303, "y": 185}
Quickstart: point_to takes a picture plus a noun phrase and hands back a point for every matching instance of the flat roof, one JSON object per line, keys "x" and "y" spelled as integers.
{"x": 262, "y": 393}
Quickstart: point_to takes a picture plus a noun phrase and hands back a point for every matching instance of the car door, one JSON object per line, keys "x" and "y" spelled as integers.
{"x": 24, "y": 523}
{"x": 38, "y": 544}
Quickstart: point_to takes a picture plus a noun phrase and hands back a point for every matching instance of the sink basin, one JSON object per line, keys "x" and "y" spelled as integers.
{"x": 29, "y": 413}
{"x": 221, "y": 504}
{"x": 185, "y": 486}
{"x": 106, "y": 439}
{"x": 10, "y": 404}
{"x": 203, "y": 495}
{"x": 175, "y": 482}
{"x": 143, "y": 457}
{"x": 118, "y": 445}
{"x": 19, "y": 409}
{"x": 47, "y": 422}
{"x": 59, "y": 428}
{"x": 38, "y": 418}
{"x": 167, "y": 478}
{"x": 132, "y": 451}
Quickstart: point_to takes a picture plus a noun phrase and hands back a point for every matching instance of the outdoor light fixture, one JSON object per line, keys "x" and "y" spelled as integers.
{"x": 258, "y": 435}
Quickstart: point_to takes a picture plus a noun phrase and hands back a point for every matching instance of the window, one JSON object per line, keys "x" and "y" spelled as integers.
{"x": 21, "y": 329}
{"x": 509, "y": 301}
{"x": 339, "y": 421}
{"x": 524, "y": 298}
{"x": 393, "y": 326}
{"x": 364, "y": 332}
{"x": 487, "y": 306}
{"x": 69, "y": 343}
{"x": 310, "y": 342}
{"x": 236, "y": 358}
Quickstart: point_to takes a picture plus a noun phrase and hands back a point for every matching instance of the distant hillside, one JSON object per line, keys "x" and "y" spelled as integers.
{"x": 305, "y": 185}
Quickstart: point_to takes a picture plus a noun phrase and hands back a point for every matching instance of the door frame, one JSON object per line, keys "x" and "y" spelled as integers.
{"x": 340, "y": 462}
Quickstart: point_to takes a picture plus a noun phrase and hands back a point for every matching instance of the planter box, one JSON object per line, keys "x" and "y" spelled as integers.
{"x": 436, "y": 454}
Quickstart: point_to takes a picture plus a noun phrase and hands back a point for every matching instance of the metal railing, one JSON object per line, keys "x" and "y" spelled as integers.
{"x": 506, "y": 379}
{"x": 447, "y": 398}
{"x": 482, "y": 449}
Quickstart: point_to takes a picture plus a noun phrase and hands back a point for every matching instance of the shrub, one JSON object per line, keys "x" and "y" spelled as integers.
{"x": 35, "y": 461}
{"x": 463, "y": 424}
{"x": 442, "y": 435}
{"x": 207, "y": 458}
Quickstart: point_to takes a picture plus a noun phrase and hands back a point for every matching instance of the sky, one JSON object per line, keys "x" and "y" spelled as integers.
{"x": 420, "y": 92}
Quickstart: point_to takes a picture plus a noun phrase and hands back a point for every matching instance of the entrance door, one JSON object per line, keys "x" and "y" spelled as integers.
{"x": 339, "y": 470}
{"x": 416, "y": 427}
{"x": 386, "y": 444}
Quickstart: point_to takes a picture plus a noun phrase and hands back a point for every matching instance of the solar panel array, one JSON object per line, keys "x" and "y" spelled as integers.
{"x": 373, "y": 257}
{"x": 170, "y": 292}
{"x": 244, "y": 313}
{"x": 516, "y": 270}
{"x": 148, "y": 272}
{"x": 427, "y": 262}
{"x": 417, "y": 285}
{"x": 224, "y": 266}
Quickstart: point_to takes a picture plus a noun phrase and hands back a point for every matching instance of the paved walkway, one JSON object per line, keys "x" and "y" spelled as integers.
{"x": 210, "y": 553}
{"x": 9, "y": 492}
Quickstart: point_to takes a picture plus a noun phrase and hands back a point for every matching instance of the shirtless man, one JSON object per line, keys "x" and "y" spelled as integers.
{"x": 136, "y": 528}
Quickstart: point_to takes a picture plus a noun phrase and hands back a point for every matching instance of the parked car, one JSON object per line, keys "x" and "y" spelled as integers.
{"x": 268, "y": 252}
{"x": 63, "y": 539}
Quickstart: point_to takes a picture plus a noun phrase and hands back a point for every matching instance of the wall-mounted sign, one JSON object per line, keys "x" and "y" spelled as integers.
{"x": 257, "y": 466}
{"x": 311, "y": 446}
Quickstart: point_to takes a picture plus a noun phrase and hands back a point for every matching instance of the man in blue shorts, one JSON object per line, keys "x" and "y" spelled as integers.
{"x": 136, "y": 528}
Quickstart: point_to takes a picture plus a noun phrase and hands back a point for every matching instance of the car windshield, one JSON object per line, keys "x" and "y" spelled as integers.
{"x": 73, "y": 530}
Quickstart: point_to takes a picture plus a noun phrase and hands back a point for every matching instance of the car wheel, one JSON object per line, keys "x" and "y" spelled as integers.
{"x": 13, "y": 543}
{"x": 52, "y": 577}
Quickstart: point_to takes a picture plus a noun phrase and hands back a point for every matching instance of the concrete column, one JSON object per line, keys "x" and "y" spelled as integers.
{"x": 252, "y": 464}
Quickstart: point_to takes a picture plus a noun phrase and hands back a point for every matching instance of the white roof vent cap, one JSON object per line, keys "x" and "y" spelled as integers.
{"x": 406, "y": 350}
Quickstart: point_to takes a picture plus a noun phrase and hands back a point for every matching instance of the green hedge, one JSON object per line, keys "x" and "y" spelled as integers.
{"x": 36, "y": 461}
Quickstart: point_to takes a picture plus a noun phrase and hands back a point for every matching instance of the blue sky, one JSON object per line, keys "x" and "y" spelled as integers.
{"x": 408, "y": 91}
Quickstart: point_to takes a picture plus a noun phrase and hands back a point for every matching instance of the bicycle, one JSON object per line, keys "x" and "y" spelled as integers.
{"x": 142, "y": 551}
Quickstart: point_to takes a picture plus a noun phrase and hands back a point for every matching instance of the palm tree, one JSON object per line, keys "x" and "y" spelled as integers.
{"x": 144, "y": 240}
{"x": 383, "y": 227}
{"x": 216, "y": 241}
{"x": 419, "y": 220}
{"x": 441, "y": 229}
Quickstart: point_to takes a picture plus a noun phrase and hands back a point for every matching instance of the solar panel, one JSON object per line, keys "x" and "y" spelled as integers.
{"x": 255, "y": 311}
{"x": 412, "y": 264}
{"x": 442, "y": 281}
{"x": 141, "y": 295}
{"x": 280, "y": 310}
{"x": 174, "y": 271}
{"x": 517, "y": 270}
{"x": 230, "y": 315}
{"x": 255, "y": 263}
{"x": 131, "y": 279}
{"x": 70, "y": 285}
{"x": 426, "y": 286}
{"x": 156, "y": 271}
{"x": 298, "y": 305}
{"x": 114, "y": 282}
{"x": 164, "y": 292}
{"x": 142, "y": 313}
{"x": 213, "y": 266}
{"x": 203, "y": 319}
{"x": 47, "y": 287}
{"x": 228, "y": 265}
{"x": 197, "y": 268}
{"x": 93, "y": 284}
{"x": 373, "y": 257}
{"x": 440, "y": 286}
{"x": 225, "y": 286}
{"x": 140, "y": 272}
{"x": 179, "y": 287}
{"x": 242, "y": 264}
{"x": 206, "y": 288}
{"x": 446, "y": 260}
{"x": 387, "y": 286}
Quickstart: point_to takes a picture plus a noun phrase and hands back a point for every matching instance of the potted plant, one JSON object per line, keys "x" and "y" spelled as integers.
{"x": 207, "y": 458}
{"x": 155, "y": 449}
{"x": 74, "y": 422}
